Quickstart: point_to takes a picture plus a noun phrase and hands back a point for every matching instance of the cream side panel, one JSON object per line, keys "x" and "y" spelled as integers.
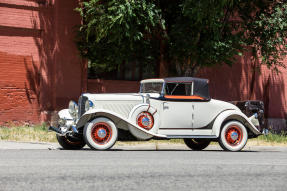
{"x": 205, "y": 112}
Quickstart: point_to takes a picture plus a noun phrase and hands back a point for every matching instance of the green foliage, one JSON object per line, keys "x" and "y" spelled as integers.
{"x": 274, "y": 138}
{"x": 203, "y": 35}
{"x": 187, "y": 34}
{"x": 118, "y": 31}
{"x": 266, "y": 30}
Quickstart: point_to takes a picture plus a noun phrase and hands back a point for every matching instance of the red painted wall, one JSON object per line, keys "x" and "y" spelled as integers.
{"x": 246, "y": 81}
{"x": 40, "y": 67}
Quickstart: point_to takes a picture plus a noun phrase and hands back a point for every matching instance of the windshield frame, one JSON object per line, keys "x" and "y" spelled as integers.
{"x": 162, "y": 88}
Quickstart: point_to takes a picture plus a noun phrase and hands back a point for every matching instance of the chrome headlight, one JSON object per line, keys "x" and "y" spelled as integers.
{"x": 88, "y": 105}
{"x": 61, "y": 122}
{"x": 73, "y": 109}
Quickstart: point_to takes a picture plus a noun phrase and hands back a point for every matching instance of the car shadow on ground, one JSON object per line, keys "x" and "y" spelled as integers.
{"x": 168, "y": 150}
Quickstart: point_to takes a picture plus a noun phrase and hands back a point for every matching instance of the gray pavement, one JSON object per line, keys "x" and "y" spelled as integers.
{"x": 25, "y": 166}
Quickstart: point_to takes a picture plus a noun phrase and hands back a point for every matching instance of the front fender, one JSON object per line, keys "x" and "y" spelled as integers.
{"x": 110, "y": 114}
{"x": 233, "y": 115}
{"x": 64, "y": 114}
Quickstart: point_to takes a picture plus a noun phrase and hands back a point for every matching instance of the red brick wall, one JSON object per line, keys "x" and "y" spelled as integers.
{"x": 18, "y": 101}
{"x": 40, "y": 67}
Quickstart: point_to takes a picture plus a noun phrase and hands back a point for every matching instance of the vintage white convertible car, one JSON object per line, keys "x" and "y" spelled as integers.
{"x": 169, "y": 108}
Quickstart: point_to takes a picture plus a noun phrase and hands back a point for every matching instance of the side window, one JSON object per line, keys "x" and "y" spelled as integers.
{"x": 179, "y": 89}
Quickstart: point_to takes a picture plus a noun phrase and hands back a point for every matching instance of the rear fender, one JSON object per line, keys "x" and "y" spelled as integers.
{"x": 93, "y": 113}
{"x": 233, "y": 115}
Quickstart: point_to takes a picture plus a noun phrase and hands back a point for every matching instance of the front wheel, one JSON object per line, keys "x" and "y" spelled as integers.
{"x": 197, "y": 144}
{"x": 100, "y": 134}
{"x": 70, "y": 143}
{"x": 233, "y": 136}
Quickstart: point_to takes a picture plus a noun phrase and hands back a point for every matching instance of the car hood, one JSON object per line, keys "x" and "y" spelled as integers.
{"x": 118, "y": 96}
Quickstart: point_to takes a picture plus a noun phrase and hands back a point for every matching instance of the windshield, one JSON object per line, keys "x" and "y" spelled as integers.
{"x": 151, "y": 87}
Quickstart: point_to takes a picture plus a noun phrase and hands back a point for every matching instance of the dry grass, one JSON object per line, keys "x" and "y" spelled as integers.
{"x": 271, "y": 139}
{"x": 40, "y": 133}
{"x": 37, "y": 133}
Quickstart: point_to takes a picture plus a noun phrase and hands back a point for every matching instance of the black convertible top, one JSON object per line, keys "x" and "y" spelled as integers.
{"x": 200, "y": 86}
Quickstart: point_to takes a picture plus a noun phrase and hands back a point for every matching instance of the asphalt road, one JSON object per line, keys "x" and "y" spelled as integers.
{"x": 132, "y": 169}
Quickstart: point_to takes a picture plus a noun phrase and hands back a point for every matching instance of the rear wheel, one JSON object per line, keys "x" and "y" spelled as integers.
{"x": 197, "y": 144}
{"x": 100, "y": 134}
{"x": 70, "y": 143}
{"x": 233, "y": 136}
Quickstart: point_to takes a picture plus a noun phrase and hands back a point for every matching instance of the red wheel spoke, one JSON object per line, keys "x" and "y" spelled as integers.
{"x": 233, "y": 135}
{"x": 145, "y": 120}
{"x": 101, "y": 133}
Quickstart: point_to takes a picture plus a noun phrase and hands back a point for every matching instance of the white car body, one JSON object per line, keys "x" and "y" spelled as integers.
{"x": 178, "y": 117}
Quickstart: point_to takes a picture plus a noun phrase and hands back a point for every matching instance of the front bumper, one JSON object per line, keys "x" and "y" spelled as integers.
{"x": 66, "y": 123}
{"x": 63, "y": 130}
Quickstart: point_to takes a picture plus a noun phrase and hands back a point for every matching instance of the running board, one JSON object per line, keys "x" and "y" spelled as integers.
{"x": 191, "y": 137}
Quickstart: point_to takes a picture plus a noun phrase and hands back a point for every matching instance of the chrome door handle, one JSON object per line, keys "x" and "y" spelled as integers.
{"x": 165, "y": 105}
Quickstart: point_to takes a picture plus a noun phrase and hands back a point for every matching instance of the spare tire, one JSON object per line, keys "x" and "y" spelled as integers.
{"x": 145, "y": 117}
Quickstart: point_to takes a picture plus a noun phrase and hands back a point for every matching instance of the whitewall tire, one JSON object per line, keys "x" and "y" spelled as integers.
{"x": 233, "y": 136}
{"x": 100, "y": 134}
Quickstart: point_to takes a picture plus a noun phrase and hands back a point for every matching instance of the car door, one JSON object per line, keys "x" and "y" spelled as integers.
{"x": 176, "y": 115}
{"x": 177, "y": 111}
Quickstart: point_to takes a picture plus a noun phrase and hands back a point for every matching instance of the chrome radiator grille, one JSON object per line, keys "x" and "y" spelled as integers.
{"x": 81, "y": 104}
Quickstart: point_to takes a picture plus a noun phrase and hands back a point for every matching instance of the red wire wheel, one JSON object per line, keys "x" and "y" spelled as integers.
{"x": 233, "y": 135}
{"x": 101, "y": 133}
{"x": 145, "y": 120}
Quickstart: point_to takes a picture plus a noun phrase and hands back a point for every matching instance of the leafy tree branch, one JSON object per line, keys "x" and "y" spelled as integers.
{"x": 184, "y": 34}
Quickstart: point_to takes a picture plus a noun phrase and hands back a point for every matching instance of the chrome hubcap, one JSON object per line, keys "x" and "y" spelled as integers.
{"x": 145, "y": 121}
{"x": 102, "y": 133}
{"x": 234, "y": 136}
